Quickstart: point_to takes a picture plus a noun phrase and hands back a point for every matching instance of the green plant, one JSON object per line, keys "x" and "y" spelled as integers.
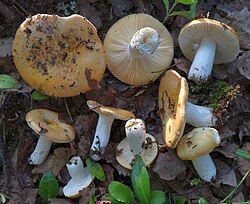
{"x": 121, "y": 193}
{"x": 96, "y": 169}
{"x": 195, "y": 181}
{"x": 38, "y": 96}
{"x": 67, "y": 9}
{"x": 172, "y": 12}
{"x": 7, "y": 82}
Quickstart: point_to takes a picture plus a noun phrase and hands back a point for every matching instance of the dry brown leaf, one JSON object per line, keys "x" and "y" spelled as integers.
{"x": 60, "y": 201}
{"x": 168, "y": 166}
{"x": 244, "y": 164}
{"x": 183, "y": 64}
{"x": 6, "y": 46}
{"x": 54, "y": 162}
{"x": 27, "y": 196}
{"x": 194, "y": 193}
{"x": 121, "y": 7}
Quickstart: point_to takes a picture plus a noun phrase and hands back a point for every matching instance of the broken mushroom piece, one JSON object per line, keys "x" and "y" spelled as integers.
{"x": 200, "y": 116}
{"x": 138, "y": 48}
{"x": 80, "y": 178}
{"x": 172, "y": 99}
{"x": 207, "y": 42}
{"x": 47, "y": 125}
{"x": 196, "y": 146}
{"x": 137, "y": 142}
{"x": 103, "y": 127}
{"x": 59, "y": 56}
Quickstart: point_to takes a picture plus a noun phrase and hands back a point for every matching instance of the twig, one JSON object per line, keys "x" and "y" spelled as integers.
{"x": 68, "y": 111}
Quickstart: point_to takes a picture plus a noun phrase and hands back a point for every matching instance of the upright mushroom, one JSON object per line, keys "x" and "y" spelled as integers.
{"x": 196, "y": 146}
{"x": 104, "y": 123}
{"x": 138, "y": 48}
{"x": 80, "y": 177}
{"x": 172, "y": 99}
{"x": 47, "y": 125}
{"x": 207, "y": 42}
{"x": 59, "y": 56}
{"x": 136, "y": 142}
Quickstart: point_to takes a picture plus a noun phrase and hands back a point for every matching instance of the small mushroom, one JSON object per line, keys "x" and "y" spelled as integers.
{"x": 138, "y": 48}
{"x": 207, "y": 42}
{"x": 47, "y": 125}
{"x": 104, "y": 123}
{"x": 80, "y": 177}
{"x": 200, "y": 116}
{"x": 172, "y": 99}
{"x": 59, "y": 56}
{"x": 137, "y": 142}
{"x": 196, "y": 146}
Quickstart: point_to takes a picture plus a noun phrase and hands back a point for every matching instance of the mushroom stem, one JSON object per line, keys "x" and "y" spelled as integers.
{"x": 136, "y": 135}
{"x": 200, "y": 116}
{"x": 202, "y": 65}
{"x": 76, "y": 170}
{"x": 102, "y": 135}
{"x": 205, "y": 167}
{"x": 144, "y": 42}
{"x": 41, "y": 151}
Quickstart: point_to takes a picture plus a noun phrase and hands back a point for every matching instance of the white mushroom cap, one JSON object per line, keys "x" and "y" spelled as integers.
{"x": 138, "y": 48}
{"x": 80, "y": 178}
{"x": 136, "y": 142}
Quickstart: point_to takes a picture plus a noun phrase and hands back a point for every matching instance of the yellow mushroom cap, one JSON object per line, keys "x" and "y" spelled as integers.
{"x": 172, "y": 99}
{"x": 137, "y": 71}
{"x": 116, "y": 113}
{"x": 45, "y": 122}
{"x": 227, "y": 41}
{"x": 59, "y": 56}
{"x": 197, "y": 143}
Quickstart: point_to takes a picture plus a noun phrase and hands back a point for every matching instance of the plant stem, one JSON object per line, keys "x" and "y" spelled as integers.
{"x": 232, "y": 192}
{"x": 242, "y": 153}
{"x": 166, "y": 17}
{"x": 68, "y": 111}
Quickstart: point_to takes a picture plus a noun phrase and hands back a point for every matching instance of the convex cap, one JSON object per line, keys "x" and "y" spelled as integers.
{"x": 59, "y": 56}
{"x": 138, "y": 49}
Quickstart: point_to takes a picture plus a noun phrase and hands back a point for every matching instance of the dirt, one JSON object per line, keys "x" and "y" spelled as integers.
{"x": 19, "y": 180}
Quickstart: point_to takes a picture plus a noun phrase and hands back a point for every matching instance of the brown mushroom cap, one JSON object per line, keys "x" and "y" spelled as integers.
{"x": 197, "y": 143}
{"x": 45, "y": 122}
{"x": 125, "y": 156}
{"x": 172, "y": 99}
{"x": 59, "y": 56}
{"x": 137, "y": 71}
{"x": 116, "y": 113}
{"x": 227, "y": 41}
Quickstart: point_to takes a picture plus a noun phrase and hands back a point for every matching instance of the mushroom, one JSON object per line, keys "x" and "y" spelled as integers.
{"x": 47, "y": 125}
{"x": 59, "y": 56}
{"x": 136, "y": 142}
{"x": 172, "y": 99}
{"x": 80, "y": 177}
{"x": 138, "y": 48}
{"x": 103, "y": 127}
{"x": 196, "y": 146}
{"x": 207, "y": 42}
{"x": 200, "y": 116}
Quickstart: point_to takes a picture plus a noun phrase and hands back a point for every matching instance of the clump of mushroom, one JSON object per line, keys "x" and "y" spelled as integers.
{"x": 59, "y": 56}
{"x": 136, "y": 142}
{"x": 207, "y": 42}
{"x": 47, "y": 125}
{"x": 138, "y": 48}
{"x": 196, "y": 146}
{"x": 80, "y": 177}
{"x": 105, "y": 120}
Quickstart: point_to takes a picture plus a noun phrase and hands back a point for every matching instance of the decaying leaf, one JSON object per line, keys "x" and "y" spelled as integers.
{"x": 60, "y": 201}
{"x": 27, "y": 196}
{"x": 6, "y": 47}
{"x": 54, "y": 162}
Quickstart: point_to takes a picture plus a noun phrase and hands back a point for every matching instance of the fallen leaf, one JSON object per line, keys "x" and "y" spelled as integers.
{"x": 244, "y": 164}
{"x": 6, "y": 47}
{"x": 183, "y": 64}
{"x": 238, "y": 198}
{"x": 54, "y": 162}
{"x": 27, "y": 196}
{"x": 121, "y": 7}
{"x": 202, "y": 190}
{"x": 60, "y": 201}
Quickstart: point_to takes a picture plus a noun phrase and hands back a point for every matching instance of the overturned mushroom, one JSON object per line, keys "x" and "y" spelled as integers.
{"x": 80, "y": 178}
{"x": 207, "y": 42}
{"x": 196, "y": 146}
{"x": 105, "y": 120}
{"x": 137, "y": 142}
{"x": 47, "y": 125}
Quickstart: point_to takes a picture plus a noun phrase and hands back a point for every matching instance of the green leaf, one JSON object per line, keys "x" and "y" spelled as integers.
{"x": 242, "y": 153}
{"x": 166, "y": 3}
{"x": 96, "y": 169}
{"x": 7, "y": 82}
{"x": 3, "y": 198}
{"x": 202, "y": 201}
{"x": 186, "y": 2}
{"x": 180, "y": 200}
{"x": 188, "y": 14}
{"x": 48, "y": 186}
{"x": 38, "y": 96}
{"x": 140, "y": 180}
{"x": 92, "y": 198}
{"x": 120, "y": 192}
{"x": 158, "y": 197}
